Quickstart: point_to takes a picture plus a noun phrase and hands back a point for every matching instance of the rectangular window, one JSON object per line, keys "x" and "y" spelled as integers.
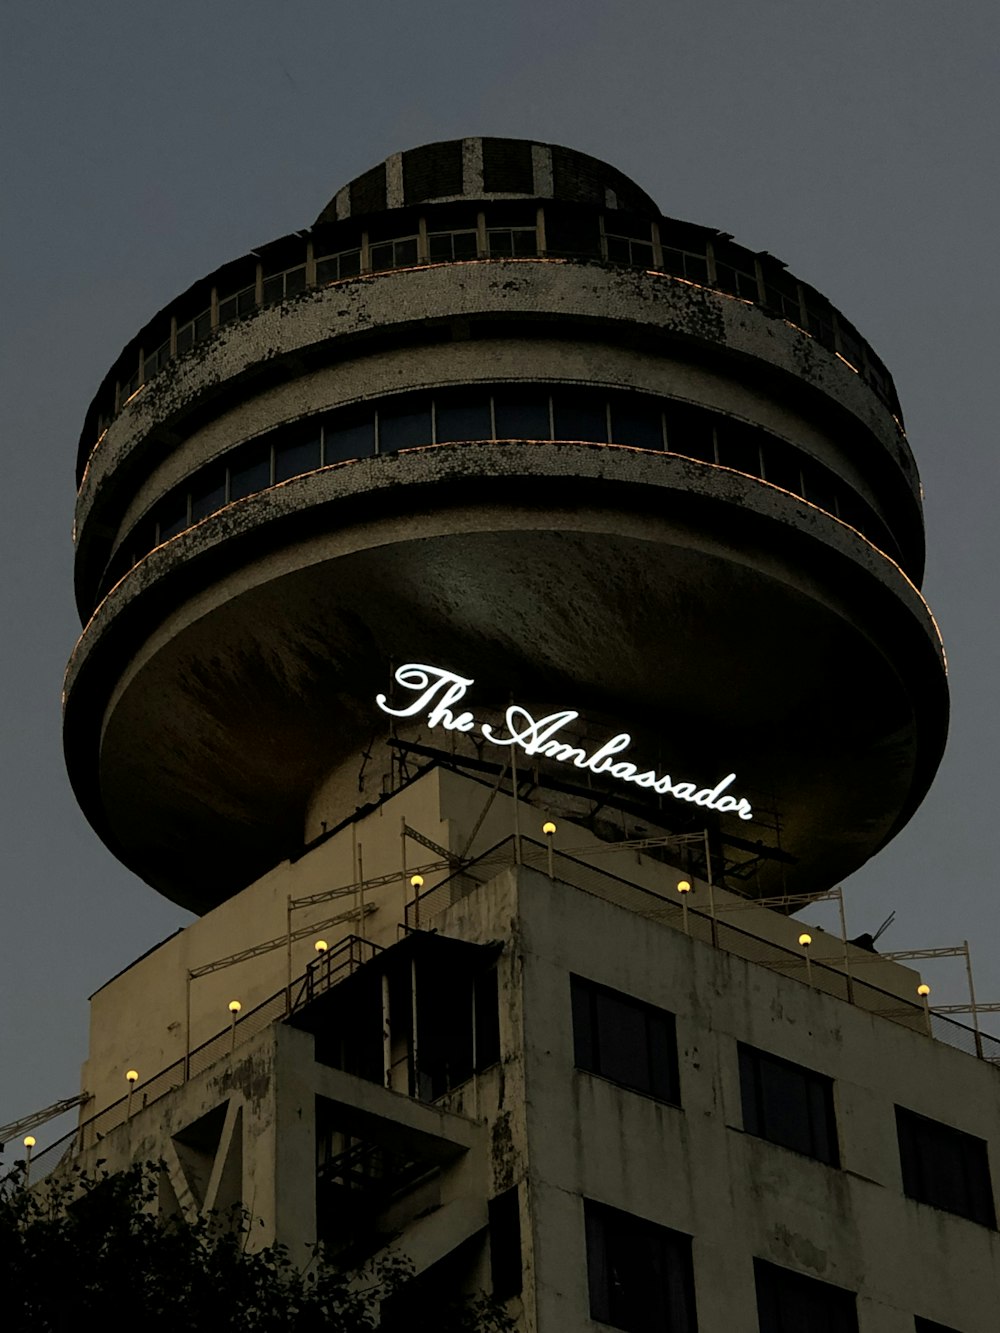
{"x": 684, "y": 264}
{"x": 639, "y": 1273}
{"x": 404, "y": 425}
{"x": 788, "y": 1105}
{"x": 349, "y": 434}
{"x": 522, "y": 413}
{"x": 504, "y": 1216}
{"x": 448, "y": 245}
{"x": 625, "y": 1040}
{"x": 333, "y": 267}
{"x": 636, "y": 421}
{"x": 251, "y": 470}
{"x": 292, "y": 457}
{"x": 512, "y": 242}
{"x": 789, "y": 1302}
{"x": 208, "y": 493}
{"x": 463, "y": 416}
{"x": 945, "y": 1167}
{"x": 580, "y": 415}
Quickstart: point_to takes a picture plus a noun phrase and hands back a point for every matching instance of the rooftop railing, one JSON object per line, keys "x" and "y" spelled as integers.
{"x": 835, "y": 975}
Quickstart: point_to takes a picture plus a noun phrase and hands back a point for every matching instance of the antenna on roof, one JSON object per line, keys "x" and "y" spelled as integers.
{"x": 884, "y": 926}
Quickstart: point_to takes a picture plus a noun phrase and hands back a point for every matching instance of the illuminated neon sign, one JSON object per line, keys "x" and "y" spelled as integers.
{"x": 438, "y": 692}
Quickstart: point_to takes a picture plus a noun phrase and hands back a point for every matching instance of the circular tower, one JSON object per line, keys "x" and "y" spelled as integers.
{"x": 495, "y": 413}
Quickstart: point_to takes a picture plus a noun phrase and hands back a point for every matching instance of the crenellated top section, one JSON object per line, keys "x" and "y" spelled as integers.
{"x": 488, "y": 169}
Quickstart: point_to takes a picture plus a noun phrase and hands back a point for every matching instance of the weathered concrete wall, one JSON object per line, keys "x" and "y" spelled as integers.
{"x": 695, "y": 1170}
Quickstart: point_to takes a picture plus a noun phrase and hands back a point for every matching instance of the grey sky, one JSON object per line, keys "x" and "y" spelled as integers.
{"x": 146, "y": 144}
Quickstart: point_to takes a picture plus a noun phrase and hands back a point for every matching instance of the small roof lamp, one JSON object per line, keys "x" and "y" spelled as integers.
{"x": 29, "y": 1143}
{"x": 684, "y": 888}
{"x": 805, "y": 940}
{"x": 549, "y": 829}
{"x": 131, "y": 1078}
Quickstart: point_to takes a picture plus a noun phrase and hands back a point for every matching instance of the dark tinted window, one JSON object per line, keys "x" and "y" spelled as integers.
{"x": 738, "y": 447}
{"x": 689, "y": 432}
{"x": 789, "y": 1302}
{"x": 505, "y": 1244}
{"x": 250, "y": 471}
{"x": 486, "y": 1000}
{"x": 787, "y": 1104}
{"x": 462, "y": 416}
{"x": 636, "y": 421}
{"x": 945, "y": 1167}
{"x": 349, "y": 434}
{"x": 295, "y": 456}
{"x": 173, "y": 515}
{"x": 404, "y": 426}
{"x": 639, "y": 1273}
{"x": 522, "y": 414}
{"x": 782, "y": 467}
{"x": 624, "y": 1040}
{"x": 580, "y": 415}
{"x": 208, "y": 493}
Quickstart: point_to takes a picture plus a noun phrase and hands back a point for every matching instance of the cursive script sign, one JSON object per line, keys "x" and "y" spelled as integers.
{"x": 437, "y": 692}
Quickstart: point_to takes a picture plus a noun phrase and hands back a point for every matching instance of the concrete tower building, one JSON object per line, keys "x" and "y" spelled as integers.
{"x": 517, "y": 590}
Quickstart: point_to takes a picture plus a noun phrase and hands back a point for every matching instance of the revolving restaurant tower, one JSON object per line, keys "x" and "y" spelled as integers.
{"x": 494, "y": 413}
{"x": 501, "y": 614}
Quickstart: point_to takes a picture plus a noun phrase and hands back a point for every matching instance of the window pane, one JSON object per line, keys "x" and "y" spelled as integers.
{"x": 295, "y": 281}
{"x": 405, "y": 426}
{"x": 293, "y": 457}
{"x": 789, "y": 1301}
{"x": 173, "y": 515}
{"x": 781, "y": 467}
{"x": 501, "y": 243}
{"x": 636, "y": 421}
{"x": 580, "y": 415}
{"x": 522, "y": 414}
{"x": 466, "y": 245}
{"x": 945, "y": 1167}
{"x": 350, "y": 263}
{"x": 624, "y": 1039}
{"x": 349, "y": 434}
{"x": 525, "y": 242}
{"x": 250, "y": 471}
{"x": 639, "y": 1273}
{"x": 689, "y": 432}
{"x": 463, "y": 417}
{"x": 738, "y": 448}
{"x": 788, "y": 1104}
{"x": 439, "y": 245}
{"x": 203, "y": 325}
{"x": 208, "y": 493}
{"x": 618, "y": 249}
{"x": 819, "y": 486}
{"x": 380, "y": 256}
{"x": 185, "y": 338}
{"x": 623, "y": 1052}
{"x": 405, "y": 252}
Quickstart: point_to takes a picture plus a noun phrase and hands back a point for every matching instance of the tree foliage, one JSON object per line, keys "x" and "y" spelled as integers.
{"x": 90, "y": 1251}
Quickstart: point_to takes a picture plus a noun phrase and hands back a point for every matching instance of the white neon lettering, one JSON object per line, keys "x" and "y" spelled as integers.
{"x": 438, "y": 691}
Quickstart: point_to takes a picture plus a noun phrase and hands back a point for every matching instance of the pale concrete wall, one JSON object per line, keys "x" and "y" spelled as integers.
{"x": 695, "y": 1170}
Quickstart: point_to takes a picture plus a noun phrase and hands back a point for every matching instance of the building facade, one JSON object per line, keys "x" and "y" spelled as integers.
{"x": 501, "y": 610}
